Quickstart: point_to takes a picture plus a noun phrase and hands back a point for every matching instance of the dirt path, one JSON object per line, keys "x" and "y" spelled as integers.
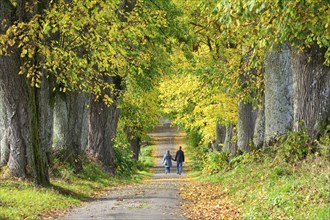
{"x": 156, "y": 198}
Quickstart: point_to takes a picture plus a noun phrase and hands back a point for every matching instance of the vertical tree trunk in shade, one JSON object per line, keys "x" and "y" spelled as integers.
{"x": 103, "y": 123}
{"x": 278, "y": 94}
{"x": 26, "y": 156}
{"x": 84, "y": 114}
{"x": 10, "y": 80}
{"x": 134, "y": 142}
{"x": 311, "y": 89}
{"x": 229, "y": 145}
{"x": 259, "y": 129}
{"x": 36, "y": 153}
{"x": 245, "y": 128}
{"x": 103, "y": 120}
{"x": 69, "y": 124}
{"x": 77, "y": 111}
{"x": 15, "y": 103}
{"x": 46, "y": 109}
{"x": 220, "y": 136}
{"x": 4, "y": 132}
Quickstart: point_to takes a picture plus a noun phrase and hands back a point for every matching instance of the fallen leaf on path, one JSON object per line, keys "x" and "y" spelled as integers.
{"x": 207, "y": 201}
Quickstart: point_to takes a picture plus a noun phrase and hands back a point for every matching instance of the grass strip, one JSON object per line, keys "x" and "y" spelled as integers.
{"x": 24, "y": 200}
{"x": 266, "y": 190}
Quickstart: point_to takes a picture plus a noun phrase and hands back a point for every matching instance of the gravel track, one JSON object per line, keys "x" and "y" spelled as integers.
{"x": 155, "y": 198}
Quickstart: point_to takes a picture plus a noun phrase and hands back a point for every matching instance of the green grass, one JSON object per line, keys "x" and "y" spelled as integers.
{"x": 266, "y": 190}
{"x": 146, "y": 156}
{"x": 24, "y": 200}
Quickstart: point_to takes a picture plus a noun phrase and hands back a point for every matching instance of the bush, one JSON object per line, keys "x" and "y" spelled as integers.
{"x": 216, "y": 162}
{"x": 323, "y": 145}
{"x": 197, "y": 152}
{"x": 125, "y": 165}
{"x": 146, "y": 159}
{"x": 295, "y": 146}
{"x": 245, "y": 158}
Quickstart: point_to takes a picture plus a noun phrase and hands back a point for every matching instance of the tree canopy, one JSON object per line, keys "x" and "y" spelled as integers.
{"x": 82, "y": 43}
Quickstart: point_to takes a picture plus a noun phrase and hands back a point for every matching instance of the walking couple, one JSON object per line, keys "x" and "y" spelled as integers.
{"x": 179, "y": 158}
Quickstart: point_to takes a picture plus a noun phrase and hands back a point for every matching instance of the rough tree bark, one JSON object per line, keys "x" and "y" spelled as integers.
{"x": 278, "y": 94}
{"x": 46, "y": 111}
{"x": 102, "y": 129}
{"x": 26, "y": 158}
{"x": 229, "y": 145}
{"x": 134, "y": 142}
{"x": 103, "y": 120}
{"x": 311, "y": 89}
{"x": 4, "y": 132}
{"x": 259, "y": 129}
{"x": 245, "y": 128}
{"x": 69, "y": 126}
{"x": 220, "y": 137}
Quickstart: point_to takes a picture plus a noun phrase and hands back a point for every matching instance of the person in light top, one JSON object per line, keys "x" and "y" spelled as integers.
{"x": 167, "y": 161}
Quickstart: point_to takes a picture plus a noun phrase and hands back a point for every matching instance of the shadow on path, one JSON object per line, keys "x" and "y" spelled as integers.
{"x": 155, "y": 198}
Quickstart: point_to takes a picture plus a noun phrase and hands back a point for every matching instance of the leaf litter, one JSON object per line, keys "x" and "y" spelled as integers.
{"x": 207, "y": 201}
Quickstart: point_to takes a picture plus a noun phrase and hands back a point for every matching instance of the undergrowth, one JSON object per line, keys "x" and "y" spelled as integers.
{"x": 290, "y": 181}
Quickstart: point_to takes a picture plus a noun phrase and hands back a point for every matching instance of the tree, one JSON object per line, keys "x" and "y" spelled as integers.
{"x": 70, "y": 128}
{"x": 139, "y": 105}
{"x": 192, "y": 104}
{"x": 91, "y": 47}
{"x": 265, "y": 25}
{"x": 27, "y": 157}
{"x": 139, "y": 108}
{"x": 278, "y": 108}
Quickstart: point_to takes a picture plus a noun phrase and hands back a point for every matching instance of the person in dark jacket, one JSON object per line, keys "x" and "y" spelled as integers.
{"x": 179, "y": 158}
{"x": 167, "y": 161}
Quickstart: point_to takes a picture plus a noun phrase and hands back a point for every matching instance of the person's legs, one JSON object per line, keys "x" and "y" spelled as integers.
{"x": 177, "y": 167}
{"x": 167, "y": 170}
{"x": 180, "y": 168}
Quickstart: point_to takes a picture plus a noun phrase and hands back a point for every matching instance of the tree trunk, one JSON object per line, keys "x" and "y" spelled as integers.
{"x": 77, "y": 107}
{"x": 278, "y": 94}
{"x": 229, "y": 145}
{"x": 84, "y": 114}
{"x": 103, "y": 123}
{"x": 134, "y": 142}
{"x": 311, "y": 89}
{"x": 45, "y": 98}
{"x": 246, "y": 122}
{"x": 220, "y": 136}
{"x": 61, "y": 124}
{"x": 26, "y": 158}
{"x": 4, "y": 132}
{"x": 259, "y": 129}
{"x": 36, "y": 153}
{"x": 69, "y": 126}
